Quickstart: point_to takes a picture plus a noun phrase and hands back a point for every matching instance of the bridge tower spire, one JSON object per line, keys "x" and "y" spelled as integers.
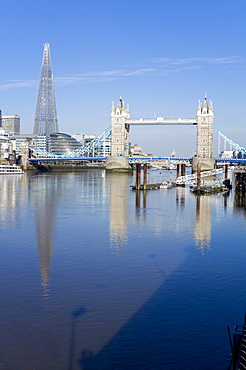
{"x": 205, "y": 120}
{"x": 46, "y": 117}
{"x": 119, "y": 130}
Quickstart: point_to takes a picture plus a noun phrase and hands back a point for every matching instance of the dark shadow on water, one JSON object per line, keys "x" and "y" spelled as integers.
{"x": 181, "y": 326}
{"x": 153, "y": 256}
{"x": 75, "y": 315}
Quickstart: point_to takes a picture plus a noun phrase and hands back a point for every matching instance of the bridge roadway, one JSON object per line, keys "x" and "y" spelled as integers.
{"x": 91, "y": 159}
{"x": 132, "y": 160}
{"x": 68, "y": 159}
{"x": 161, "y": 121}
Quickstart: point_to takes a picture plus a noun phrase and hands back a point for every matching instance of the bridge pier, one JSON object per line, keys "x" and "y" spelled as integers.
{"x": 117, "y": 164}
{"x": 177, "y": 172}
{"x": 183, "y": 169}
{"x": 138, "y": 176}
{"x": 205, "y": 163}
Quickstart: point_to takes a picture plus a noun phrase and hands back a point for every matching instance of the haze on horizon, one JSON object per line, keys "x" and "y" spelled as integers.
{"x": 161, "y": 56}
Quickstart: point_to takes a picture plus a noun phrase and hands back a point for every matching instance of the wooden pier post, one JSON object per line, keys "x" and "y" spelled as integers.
{"x": 145, "y": 176}
{"x": 138, "y": 176}
{"x": 226, "y": 170}
{"x": 177, "y": 174}
{"x": 183, "y": 169}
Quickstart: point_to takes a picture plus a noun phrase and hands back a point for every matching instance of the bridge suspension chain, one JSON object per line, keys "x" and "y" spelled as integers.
{"x": 81, "y": 151}
{"x": 232, "y": 143}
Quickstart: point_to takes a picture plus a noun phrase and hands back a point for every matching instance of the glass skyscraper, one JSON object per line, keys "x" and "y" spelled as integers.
{"x": 46, "y": 121}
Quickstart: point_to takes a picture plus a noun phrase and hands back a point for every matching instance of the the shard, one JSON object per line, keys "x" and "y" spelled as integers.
{"x": 46, "y": 117}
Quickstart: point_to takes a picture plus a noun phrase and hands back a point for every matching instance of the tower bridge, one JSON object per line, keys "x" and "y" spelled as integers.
{"x": 119, "y": 132}
{"x": 46, "y": 123}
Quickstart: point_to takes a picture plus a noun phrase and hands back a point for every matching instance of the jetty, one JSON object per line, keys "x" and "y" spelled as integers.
{"x": 238, "y": 347}
{"x": 240, "y": 178}
{"x": 146, "y": 187}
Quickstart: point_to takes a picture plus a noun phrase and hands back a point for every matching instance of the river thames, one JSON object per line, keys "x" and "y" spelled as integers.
{"x": 94, "y": 276}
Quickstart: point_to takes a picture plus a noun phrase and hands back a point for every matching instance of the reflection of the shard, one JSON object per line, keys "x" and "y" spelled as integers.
{"x": 202, "y": 231}
{"x": 47, "y": 189}
{"x": 118, "y": 208}
{"x": 44, "y": 201}
{"x": 13, "y": 193}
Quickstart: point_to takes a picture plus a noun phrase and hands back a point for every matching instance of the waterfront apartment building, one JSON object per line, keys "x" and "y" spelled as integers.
{"x": 11, "y": 124}
{"x": 40, "y": 141}
{"x": 7, "y": 148}
{"x": 103, "y": 149}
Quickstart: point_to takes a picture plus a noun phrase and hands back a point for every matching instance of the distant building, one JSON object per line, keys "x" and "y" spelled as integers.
{"x": 7, "y": 148}
{"x": 87, "y": 138}
{"x": 79, "y": 137}
{"x": 135, "y": 150}
{"x": 61, "y": 143}
{"x": 39, "y": 141}
{"x": 227, "y": 154}
{"x": 102, "y": 150}
{"x": 11, "y": 124}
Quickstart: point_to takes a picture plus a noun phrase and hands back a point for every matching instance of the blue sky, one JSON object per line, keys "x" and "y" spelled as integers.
{"x": 161, "y": 55}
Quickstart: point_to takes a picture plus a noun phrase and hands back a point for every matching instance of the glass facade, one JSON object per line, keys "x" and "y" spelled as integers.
{"x": 46, "y": 121}
{"x": 102, "y": 150}
{"x": 60, "y": 143}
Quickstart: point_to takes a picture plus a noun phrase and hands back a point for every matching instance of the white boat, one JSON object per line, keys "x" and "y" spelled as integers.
{"x": 177, "y": 182}
{"x": 166, "y": 185}
{"x": 10, "y": 169}
{"x": 171, "y": 166}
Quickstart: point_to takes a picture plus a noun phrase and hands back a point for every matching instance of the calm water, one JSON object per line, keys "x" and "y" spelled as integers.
{"x": 93, "y": 277}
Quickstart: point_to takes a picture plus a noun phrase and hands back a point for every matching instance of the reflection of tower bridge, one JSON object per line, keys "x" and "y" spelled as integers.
{"x": 119, "y": 131}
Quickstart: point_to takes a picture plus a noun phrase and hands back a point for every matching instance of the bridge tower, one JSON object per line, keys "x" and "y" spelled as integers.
{"x": 119, "y": 129}
{"x": 119, "y": 137}
{"x": 205, "y": 120}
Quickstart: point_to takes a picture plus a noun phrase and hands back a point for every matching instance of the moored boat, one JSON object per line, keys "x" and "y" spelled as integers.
{"x": 209, "y": 188}
{"x": 166, "y": 185}
{"x": 8, "y": 169}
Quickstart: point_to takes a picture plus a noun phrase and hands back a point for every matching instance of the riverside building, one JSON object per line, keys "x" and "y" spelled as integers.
{"x": 11, "y": 124}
